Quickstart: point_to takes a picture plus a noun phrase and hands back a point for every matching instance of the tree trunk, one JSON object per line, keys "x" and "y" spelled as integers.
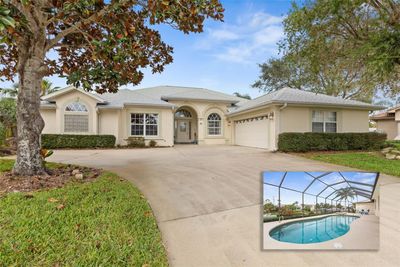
{"x": 29, "y": 121}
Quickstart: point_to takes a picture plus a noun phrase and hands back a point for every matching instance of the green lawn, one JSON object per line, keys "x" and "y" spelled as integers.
{"x": 369, "y": 161}
{"x": 103, "y": 223}
{"x": 393, "y": 143}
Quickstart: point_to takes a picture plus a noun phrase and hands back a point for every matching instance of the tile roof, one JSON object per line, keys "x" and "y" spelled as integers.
{"x": 131, "y": 97}
{"x": 295, "y": 96}
{"x": 188, "y": 93}
{"x": 159, "y": 96}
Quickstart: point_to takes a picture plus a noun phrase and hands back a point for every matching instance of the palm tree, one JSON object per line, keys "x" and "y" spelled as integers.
{"x": 47, "y": 88}
{"x": 10, "y": 92}
{"x": 346, "y": 193}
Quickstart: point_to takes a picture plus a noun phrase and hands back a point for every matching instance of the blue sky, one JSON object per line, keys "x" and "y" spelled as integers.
{"x": 225, "y": 56}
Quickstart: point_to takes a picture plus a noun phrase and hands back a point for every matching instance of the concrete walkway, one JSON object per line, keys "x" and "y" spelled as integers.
{"x": 207, "y": 201}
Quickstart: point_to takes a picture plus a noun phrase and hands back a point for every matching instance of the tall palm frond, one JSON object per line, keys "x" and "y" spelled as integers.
{"x": 346, "y": 194}
{"x": 47, "y": 88}
{"x": 10, "y": 92}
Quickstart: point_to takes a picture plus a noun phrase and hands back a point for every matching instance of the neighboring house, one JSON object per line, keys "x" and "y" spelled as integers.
{"x": 388, "y": 122}
{"x": 172, "y": 114}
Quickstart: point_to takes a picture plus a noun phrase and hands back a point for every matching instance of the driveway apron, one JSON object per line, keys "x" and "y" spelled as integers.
{"x": 207, "y": 202}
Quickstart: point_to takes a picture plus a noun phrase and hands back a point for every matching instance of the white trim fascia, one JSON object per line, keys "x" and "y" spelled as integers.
{"x": 299, "y": 104}
{"x": 177, "y": 98}
{"x": 150, "y": 105}
{"x": 71, "y": 88}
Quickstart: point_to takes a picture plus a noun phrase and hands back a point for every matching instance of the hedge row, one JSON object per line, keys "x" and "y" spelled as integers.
{"x": 304, "y": 142}
{"x": 51, "y": 141}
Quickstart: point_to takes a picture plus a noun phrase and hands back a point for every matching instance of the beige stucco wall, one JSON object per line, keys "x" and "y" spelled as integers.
{"x": 397, "y": 115}
{"x": 366, "y": 206}
{"x": 49, "y": 117}
{"x": 117, "y": 121}
{"x": 109, "y": 122}
{"x": 165, "y": 128}
{"x": 387, "y": 126}
{"x": 203, "y": 109}
{"x": 354, "y": 120}
{"x": 295, "y": 119}
{"x": 376, "y": 197}
{"x": 299, "y": 119}
{"x": 72, "y": 96}
{"x": 54, "y": 118}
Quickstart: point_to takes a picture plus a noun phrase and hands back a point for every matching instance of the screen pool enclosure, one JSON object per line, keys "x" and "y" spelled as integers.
{"x": 312, "y": 188}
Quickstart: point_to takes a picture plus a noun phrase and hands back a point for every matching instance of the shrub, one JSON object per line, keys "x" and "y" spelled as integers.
{"x": 51, "y": 141}
{"x": 8, "y": 118}
{"x": 286, "y": 211}
{"x": 136, "y": 142}
{"x": 304, "y": 142}
{"x": 152, "y": 143}
{"x": 3, "y": 132}
{"x": 393, "y": 143}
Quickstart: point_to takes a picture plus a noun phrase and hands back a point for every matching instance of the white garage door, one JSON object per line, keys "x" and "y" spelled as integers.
{"x": 252, "y": 133}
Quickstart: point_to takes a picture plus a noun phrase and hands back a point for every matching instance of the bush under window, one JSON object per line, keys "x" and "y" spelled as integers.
{"x": 304, "y": 142}
{"x": 52, "y": 141}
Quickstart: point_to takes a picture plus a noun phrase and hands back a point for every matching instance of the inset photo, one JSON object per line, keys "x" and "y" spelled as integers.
{"x": 320, "y": 211}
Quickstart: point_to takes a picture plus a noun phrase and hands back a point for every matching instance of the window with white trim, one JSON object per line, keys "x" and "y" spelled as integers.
{"x": 76, "y": 118}
{"x": 324, "y": 121}
{"x": 214, "y": 124}
{"x": 144, "y": 124}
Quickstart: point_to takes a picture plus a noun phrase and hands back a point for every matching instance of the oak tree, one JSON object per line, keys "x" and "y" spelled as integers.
{"x": 340, "y": 47}
{"x": 97, "y": 45}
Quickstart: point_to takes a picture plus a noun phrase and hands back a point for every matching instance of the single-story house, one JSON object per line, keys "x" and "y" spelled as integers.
{"x": 388, "y": 122}
{"x": 173, "y": 114}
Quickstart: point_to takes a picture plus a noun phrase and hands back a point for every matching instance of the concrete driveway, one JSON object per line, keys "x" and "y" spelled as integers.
{"x": 207, "y": 201}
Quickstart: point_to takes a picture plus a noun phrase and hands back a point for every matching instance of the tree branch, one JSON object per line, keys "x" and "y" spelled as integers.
{"x": 27, "y": 14}
{"x": 75, "y": 27}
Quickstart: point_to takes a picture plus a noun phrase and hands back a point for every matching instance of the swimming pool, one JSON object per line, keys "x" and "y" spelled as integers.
{"x": 313, "y": 230}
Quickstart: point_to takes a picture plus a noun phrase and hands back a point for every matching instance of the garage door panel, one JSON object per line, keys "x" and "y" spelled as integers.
{"x": 252, "y": 133}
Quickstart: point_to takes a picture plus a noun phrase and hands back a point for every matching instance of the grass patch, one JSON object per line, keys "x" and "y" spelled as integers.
{"x": 369, "y": 161}
{"x": 393, "y": 143}
{"x": 7, "y": 165}
{"x": 103, "y": 223}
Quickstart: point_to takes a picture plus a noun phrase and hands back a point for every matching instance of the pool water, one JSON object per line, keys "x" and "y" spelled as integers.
{"x": 313, "y": 230}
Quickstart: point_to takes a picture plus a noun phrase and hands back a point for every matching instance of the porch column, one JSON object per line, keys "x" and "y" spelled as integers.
{"x": 201, "y": 128}
{"x": 398, "y": 131}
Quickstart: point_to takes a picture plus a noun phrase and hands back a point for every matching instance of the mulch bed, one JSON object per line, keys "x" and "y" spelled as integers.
{"x": 56, "y": 178}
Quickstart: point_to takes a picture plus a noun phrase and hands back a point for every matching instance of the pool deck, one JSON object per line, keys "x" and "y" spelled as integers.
{"x": 363, "y": 235}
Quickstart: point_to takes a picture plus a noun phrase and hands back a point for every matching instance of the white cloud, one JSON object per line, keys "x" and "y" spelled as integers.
{"x": 235, "y": 54}
{"x": 269, "y": 35}
{"x": 252, "y": 36}
{"x": 222, "y": 35}
{"x": 264, "y": 19}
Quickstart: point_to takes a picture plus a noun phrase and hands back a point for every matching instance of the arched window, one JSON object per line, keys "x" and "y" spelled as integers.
{"x": 214, "y": 124}
{"x": 76, "y": 107}
{"x": 183, "y": 113}
{"x": 76, "y": 118}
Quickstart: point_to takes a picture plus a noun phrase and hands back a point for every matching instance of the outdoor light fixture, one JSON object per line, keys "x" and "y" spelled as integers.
{"x": 271, "y": 115}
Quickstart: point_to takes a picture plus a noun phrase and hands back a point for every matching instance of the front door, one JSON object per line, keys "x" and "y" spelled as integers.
{"x": 183, "y": 131}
